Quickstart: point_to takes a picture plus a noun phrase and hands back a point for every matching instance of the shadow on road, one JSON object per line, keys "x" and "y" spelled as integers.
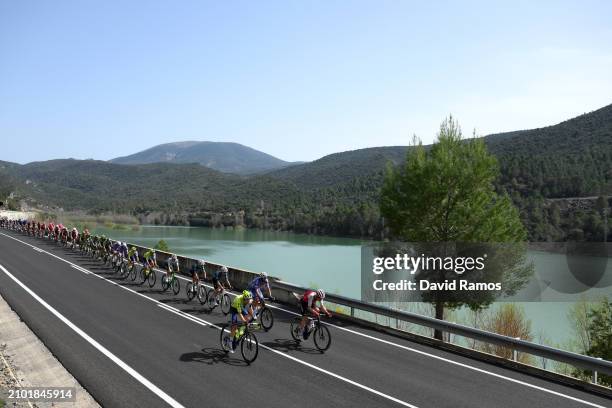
{"x": 212, "y": 356}
{"x": 286, "y": 345}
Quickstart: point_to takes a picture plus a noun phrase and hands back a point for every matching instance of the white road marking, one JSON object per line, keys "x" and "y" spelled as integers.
{"x": 152, "y": 387}
{"x": 78, "y": 268}
{"x": 480, "y": 370}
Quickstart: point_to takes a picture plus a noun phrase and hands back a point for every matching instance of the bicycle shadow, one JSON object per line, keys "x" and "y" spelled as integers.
{"x": 211, "y": 356}
{"x": 286, "y": 346}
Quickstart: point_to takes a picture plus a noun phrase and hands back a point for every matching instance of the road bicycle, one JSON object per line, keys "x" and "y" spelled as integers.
{"x": 319, "y": 332}
{"x": 249, "y": 346}
{"x": 198, "y": 290}
{"x": 147, "y": 274}
{"x": 173, "y": 282}
{"x": 264, "y": 314}
{"x": 219, "y": 299}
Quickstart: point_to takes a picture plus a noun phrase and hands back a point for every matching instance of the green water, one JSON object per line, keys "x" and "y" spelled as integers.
{"x": 334, "y": 264}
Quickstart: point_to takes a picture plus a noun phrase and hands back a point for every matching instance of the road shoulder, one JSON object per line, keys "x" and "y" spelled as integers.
{"x": 26, "y": 362}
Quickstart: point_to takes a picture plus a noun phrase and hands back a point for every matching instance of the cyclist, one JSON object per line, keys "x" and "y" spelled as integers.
{"x": 255, "y": 288}
{"x": 150, "y": 259}
{"x": 241, "y": 309}
{"x": 308, "y": 304}
{"x": 172, "y": 266}
{"x": 74, "y": 236}
{"x": 123, "y": 251}
{"x": 133, "y": 255}
{"x": 197, "y": 269}
{"x": 221, "y": 281}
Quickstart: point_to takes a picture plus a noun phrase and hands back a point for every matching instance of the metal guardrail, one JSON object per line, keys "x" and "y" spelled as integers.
{"x": 577, "y": 360}
{"x": 574, "y": 359}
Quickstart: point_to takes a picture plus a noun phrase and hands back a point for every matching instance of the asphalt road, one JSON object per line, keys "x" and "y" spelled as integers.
{"x": 132, "y": 346}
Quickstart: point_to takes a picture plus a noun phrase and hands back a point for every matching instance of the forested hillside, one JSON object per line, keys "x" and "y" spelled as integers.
{"x": 541, "y": 169}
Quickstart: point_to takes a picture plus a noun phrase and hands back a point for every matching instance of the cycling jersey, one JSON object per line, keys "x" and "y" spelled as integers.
{"x": 257, "y": 283}
{"x": 309, "y": 300}
{"x": 238, "y": 306}
{"x": 219, "y": 275}
{"x": 149, "y": 256}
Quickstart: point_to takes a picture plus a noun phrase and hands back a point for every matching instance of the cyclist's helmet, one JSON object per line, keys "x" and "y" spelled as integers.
{"x": 224, "y": 269}
{"x": 321, "y": 294}
{"x": 201, "y": 262}
{"x": 247, "y": 294}
{"x": 263, "y": 275}
{"x": 134, "y": 249}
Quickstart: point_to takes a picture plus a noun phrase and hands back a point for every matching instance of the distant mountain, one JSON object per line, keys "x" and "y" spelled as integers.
{"x": 225, "y": 157}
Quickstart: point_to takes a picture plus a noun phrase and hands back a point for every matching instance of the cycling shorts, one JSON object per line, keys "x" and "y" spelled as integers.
{"x": 216, "y": 283}
{"x": 234, "y": 312}
{"x": 257, "y": 294}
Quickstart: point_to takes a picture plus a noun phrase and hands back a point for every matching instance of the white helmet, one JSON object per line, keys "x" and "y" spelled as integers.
{"x": 321, "y": 294}
{"x": 224, "y": 269}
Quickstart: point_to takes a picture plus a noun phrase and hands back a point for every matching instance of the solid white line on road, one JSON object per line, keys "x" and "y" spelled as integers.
{"x": 480, "y": 370}
{"x": 152, "y": 387}
{"x": 78, "y": 268}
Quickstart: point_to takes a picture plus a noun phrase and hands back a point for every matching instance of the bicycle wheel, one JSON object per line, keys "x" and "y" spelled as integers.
{"x": 133, "y": 273}
{"x": 249, "y": 347}
{"x": 143, "y": 276}
{"x": 296, "y": 330}
{"x": 266, "y": 318}
{"x": 225, "y": 303}
{"x": 176, "y": 285}
{"x": 212, "y": 299}
{"x": 225, "y": 338}
{"x": 165, "y": 282}
{"x": 152, "y": 278}
{"x": 190, "y": 292}
{"x": 202, "y": 294}
{"x": 322, "y": 338}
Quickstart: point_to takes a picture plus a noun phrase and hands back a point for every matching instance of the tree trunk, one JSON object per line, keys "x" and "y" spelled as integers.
{"x": 439, "y": 315}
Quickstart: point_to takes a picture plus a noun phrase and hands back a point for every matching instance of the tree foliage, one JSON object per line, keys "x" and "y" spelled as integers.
{"x": 446, "y": 194}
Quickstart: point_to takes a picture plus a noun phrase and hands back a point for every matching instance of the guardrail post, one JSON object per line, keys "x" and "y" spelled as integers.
{"x": 515, "y": 351}
{"x": 595, "y": 373}
{"x": 352, "y": 311}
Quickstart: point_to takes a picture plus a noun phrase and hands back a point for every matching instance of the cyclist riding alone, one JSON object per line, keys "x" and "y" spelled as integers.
{"x": 172, "y": 265}
{"x": 255, "y": 288}
{"x": 242, "y": 307}
{"x": 221, "y": 280}
{"x": 308, "y": 304}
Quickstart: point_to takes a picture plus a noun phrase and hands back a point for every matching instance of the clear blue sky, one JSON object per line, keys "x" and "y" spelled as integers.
{"x": 296, "y": 79}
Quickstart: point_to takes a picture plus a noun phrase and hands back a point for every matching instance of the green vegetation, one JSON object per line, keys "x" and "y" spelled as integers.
{"x": 446, "y": 194}
{"x": 592, "y": 322}
{"x": 162, "y": 246}
{"x": 542, "y": 170}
